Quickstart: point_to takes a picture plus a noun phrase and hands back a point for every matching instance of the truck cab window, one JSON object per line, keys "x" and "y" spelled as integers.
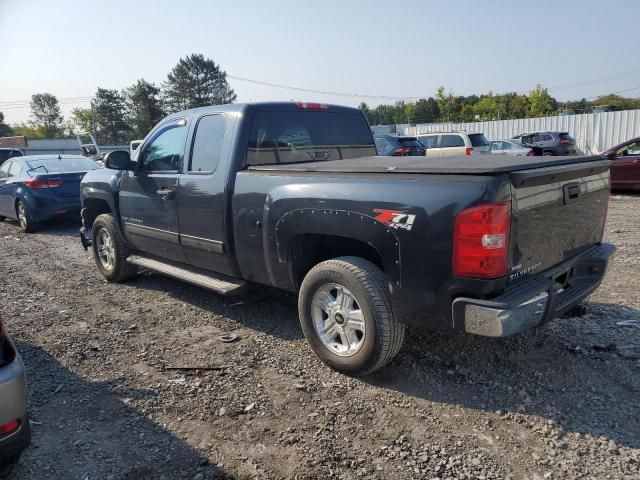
{"x": 307, "y": 136}
{"x": 164, "y": 153}
{"x": 207, "y": 144}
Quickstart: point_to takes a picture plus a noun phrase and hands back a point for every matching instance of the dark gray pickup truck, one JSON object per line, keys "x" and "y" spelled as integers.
{"x": 292, "y": 195}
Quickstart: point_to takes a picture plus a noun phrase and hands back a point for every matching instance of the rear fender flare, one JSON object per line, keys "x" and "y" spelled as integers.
{"x": 341, "y": 223}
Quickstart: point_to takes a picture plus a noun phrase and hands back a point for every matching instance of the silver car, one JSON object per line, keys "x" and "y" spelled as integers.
{"x": 510, "y": 147}
{"x": 15, "y": 432}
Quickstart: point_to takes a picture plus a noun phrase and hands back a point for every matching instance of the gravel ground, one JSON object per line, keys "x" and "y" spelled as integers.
{"x": 561, "y": 401}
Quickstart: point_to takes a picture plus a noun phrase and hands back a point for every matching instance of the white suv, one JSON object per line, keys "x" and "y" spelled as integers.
{"x": 447, "y": 144}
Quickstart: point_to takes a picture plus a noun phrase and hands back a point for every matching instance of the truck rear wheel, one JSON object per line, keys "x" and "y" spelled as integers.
{"x": 347, "y": 315}
{"x": 110, "y": 250}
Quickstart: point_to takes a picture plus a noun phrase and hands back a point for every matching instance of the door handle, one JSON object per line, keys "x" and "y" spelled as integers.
{"x": 166, "y": 193}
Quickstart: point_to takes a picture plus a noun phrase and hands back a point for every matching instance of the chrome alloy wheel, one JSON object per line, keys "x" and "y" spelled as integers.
{"x": 106, "y": 251}
{"x": 338, "y": 320}
{"x": 22, "y": 215}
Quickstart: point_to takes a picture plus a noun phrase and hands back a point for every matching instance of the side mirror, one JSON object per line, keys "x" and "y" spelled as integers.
{"x": 118, "y": 160}
{"x": 612, "y": 155}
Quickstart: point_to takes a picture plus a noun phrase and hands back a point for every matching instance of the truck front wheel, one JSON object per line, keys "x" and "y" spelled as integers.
{"x": 347, "y": 315}
{"x": 110, "y": 249}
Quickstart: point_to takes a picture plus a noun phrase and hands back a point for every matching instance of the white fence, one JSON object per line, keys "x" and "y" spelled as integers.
{"x": 594, "y": 132}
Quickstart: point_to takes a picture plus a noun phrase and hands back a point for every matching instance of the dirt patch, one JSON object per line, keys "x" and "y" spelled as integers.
{"x": 107, "y": 402}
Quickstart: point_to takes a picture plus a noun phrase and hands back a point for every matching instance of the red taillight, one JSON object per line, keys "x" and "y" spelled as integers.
{"x": 36, "y": 183}
{"x": 8, "y": 428}
{"x": 468, "y": 150}
{"x": 311, "y": 106}
{"x": 402, "y": 151}
{"x": 564, "y": 142}
{"x": 481, "y": 241}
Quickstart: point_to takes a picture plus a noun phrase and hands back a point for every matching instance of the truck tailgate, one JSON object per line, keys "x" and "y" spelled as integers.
{"x": 558, "y": 212}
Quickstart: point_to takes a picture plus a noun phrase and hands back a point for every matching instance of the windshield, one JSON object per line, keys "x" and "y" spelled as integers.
{"x": 64, "y": 165}
{"x": 308, "y": 136}
{"x": 478, "y": 140}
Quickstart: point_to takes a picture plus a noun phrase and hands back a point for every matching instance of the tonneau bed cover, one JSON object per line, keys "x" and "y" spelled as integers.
{"x": 472, "y": 165}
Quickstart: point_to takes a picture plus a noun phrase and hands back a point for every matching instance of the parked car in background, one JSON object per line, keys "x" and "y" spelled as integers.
{"x": 625, "y": 165}
{"x": 446, "y": 144}
{"x": 551, "y": 143}
{"x": 389, "y": 145}
{"x": 15, "y": 431}
{"x": 36, "y": 188}
{"x": 511, "y": 147}
{"x": 7, "y": 153}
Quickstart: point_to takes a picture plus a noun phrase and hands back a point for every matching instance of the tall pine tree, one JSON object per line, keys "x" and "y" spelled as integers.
{"x": 144, "y": 108}
{"x": 196, "y": 81}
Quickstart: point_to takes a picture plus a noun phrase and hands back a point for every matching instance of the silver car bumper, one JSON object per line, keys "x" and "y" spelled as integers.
{"x": 536, "y": 301}
{"x": 13, "y": 406}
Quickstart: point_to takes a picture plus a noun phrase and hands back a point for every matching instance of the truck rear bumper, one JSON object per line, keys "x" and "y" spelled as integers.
{"x": 534, "y": 301}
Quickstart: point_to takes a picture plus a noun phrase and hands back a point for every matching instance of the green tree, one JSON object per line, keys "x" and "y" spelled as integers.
{"x": 110, "y": 113}
{"x": 28, "y": 130}
{"x": 449, "y": 105}
{"x": 144, "y": 108}
{"x": 617, "y": 101}
{"x": 46, "y": 114}
{"x": 367, "y": 112}
{"x": 540, "y": 102}
{"x": 409, "y": 112}
{"x": 487, "y": 107}
{"x": 5, "y": 130}
{"x": 426, "y": 111}
{"x": 196, "y": 81}
{"x": 82, "y": 119}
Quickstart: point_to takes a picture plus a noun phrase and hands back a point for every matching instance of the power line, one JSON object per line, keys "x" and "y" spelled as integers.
{"x": 20, "y": 104}
{"x": 583, "y": 83}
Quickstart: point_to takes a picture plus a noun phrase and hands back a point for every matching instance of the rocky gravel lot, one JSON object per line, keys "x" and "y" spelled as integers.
{"x": 133, "y": 382}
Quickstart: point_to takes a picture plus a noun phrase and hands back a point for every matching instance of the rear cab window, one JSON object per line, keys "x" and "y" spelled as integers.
{"x": 307, "y": 136}
{"x": 207, "y": 144}
{"x": 478, "y": 140}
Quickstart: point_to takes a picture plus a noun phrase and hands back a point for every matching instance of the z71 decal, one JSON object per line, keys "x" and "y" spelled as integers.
{"x": 395, "y": 219}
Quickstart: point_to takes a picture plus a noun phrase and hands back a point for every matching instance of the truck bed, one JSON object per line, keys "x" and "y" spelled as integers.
{"x": 470, "y": 165}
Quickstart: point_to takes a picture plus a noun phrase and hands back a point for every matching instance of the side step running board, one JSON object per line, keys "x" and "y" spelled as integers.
{"x": 218, "y": 283}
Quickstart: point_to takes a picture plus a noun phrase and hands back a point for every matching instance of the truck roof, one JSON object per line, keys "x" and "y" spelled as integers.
{"x": 271, "y": 106}
{"x": 472, "y": 165}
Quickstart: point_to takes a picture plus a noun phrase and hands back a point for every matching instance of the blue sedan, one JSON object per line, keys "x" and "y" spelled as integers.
{"x": 36, "y": 188}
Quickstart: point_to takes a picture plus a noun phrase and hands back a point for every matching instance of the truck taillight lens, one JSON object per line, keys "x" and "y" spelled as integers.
{"x": 481, "y": 241}
{"x": 36, "y": 183}
{"x": 468, "y": 150}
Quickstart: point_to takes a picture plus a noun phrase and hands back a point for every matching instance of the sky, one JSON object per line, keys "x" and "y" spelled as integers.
{"x": 399, "y": 48}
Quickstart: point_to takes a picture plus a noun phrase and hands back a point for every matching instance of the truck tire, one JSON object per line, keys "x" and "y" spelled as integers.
{"x": 24, "y": 218}
{"x": 347, "y": 315}
{"x": 110, "y": 249}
